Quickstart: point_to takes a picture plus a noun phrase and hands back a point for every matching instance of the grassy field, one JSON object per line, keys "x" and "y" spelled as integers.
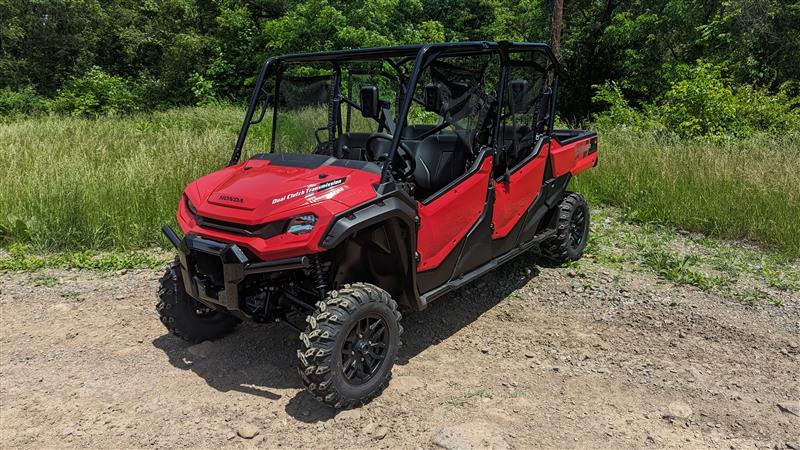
{"x": 109, "y": 184}
{"x": 73, "y": 183}
{"x": 741, "y": 189}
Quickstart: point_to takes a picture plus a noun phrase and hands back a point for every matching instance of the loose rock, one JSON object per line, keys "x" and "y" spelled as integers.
{"x": 678, "y": 411}
{"x": 380, "y": 433}
{"x": 247, "y": 431}
{"x": 790, "y": 407}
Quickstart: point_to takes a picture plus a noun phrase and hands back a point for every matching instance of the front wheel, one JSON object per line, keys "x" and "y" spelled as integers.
{"x": 184, "y": 316}
{"x": 350, "y": 345}
{"x": 572, "y": 230}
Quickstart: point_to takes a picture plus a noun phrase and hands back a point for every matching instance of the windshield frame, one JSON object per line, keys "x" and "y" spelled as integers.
{"x": 422, "y": 54}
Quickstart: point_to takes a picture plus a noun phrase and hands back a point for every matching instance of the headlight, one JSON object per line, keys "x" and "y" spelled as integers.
{"x": 301, "y": 224}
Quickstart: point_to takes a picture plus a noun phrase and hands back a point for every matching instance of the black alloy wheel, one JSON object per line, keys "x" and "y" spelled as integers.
{"x": 571, "y": 230}
{"x": 364, "y": 349}
{"x": 577, "y": 226}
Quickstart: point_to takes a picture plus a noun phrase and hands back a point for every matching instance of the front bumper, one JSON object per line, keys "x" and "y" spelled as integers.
{"x": 235, "y": 265}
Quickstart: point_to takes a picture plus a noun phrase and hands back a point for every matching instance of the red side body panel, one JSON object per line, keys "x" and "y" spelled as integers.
{"x": 447, "y": 219}
{"x": 574, "y": 157}
{"x": 512, "y": 199}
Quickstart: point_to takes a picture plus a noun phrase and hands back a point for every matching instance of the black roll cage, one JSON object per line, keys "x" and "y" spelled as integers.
{"x": 422, "y": 54}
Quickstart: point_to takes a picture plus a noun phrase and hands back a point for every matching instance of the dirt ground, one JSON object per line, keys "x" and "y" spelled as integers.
{"x": 587, "y": 357}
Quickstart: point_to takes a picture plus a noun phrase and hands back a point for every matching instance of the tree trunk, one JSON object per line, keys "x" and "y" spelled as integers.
{"x": 555, "y": 36}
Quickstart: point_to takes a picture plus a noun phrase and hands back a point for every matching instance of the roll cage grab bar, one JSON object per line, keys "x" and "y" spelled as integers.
{"x": 423, "y": 55}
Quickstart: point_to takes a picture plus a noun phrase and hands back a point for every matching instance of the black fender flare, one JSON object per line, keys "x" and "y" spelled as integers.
{"x": 363, "y": 216}
{"x": 389, "y": 208}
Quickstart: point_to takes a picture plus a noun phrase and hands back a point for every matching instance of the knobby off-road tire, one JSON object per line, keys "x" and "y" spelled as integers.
{"x": 572, "y": 230}
{"x": 345, "y": 358}
{"x": 184, "y": 316}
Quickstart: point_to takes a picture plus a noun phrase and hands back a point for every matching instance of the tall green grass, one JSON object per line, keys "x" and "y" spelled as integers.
{"x": 71, "y": 183}
{"x": 734, "y": 189}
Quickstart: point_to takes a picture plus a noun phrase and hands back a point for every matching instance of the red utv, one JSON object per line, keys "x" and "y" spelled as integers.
{"x": 379, "y": 179}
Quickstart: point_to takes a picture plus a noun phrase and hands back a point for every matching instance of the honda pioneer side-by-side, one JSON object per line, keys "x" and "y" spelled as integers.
{"x": 375, "y": 180}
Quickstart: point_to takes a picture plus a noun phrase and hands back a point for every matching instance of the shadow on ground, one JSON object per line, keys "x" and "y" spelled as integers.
{"x": 259, "y": 359}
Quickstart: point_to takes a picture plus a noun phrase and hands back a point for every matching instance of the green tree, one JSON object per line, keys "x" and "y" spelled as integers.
{"x": 174, "y": 52}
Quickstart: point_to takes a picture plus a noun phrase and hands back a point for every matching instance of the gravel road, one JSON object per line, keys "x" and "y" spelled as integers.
{"x": 587, "y": 356}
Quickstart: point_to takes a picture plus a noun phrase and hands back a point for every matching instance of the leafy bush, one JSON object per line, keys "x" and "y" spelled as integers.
{"x": 619, "y": 112}
{"x": 203, "y": 89}
{"x": 93, "y": 94}
{"x": 703, "y": 103}
{"x": 761, "y": 111}
{"x": 23, "y": 101}
{"x": 14, "y": 228}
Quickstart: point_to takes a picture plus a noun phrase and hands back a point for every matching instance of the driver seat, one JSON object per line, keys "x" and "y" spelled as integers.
{"x": 440, "y": 159}
{"x": 352, "y": 145}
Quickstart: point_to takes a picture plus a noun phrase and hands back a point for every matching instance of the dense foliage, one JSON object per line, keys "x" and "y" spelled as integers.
{"x": 101, "y": 56}
{"x": 703, "y": 103}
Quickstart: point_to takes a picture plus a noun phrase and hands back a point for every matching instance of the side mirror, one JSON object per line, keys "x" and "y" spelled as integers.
{"x": 433, "y": 99}
{"x": 518, "y": 96}
{"x": 369, "y": 102}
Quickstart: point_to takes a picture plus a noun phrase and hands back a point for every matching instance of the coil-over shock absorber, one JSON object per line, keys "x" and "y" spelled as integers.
{"x": 318, "y": 274}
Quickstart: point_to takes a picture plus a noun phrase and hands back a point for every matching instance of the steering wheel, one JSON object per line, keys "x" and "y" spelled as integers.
{"x": 403, "y": 155}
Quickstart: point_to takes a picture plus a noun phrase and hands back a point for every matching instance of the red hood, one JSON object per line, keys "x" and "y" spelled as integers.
{"x": 259, "y": 191}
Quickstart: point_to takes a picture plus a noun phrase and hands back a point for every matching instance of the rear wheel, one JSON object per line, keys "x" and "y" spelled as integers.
{"x": 350, "y": 345}
{"x": 184, "y": 316}
{"x": 572, "y": 230}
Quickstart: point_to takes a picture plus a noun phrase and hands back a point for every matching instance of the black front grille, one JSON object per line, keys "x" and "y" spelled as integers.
{"x": 264, "y": 230}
